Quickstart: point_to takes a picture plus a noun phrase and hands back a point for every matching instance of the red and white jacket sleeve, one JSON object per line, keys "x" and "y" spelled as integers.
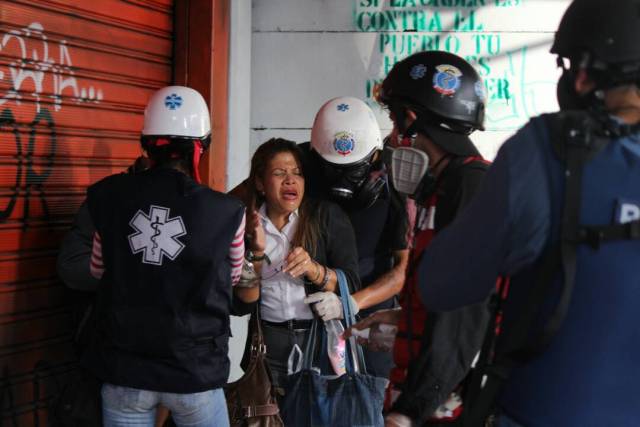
{"x": 97, "y": 266}
{"x": 236, "y": 252}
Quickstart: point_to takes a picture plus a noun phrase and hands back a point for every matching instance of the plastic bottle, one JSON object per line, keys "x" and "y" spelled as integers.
{"x": 336, "y": 345}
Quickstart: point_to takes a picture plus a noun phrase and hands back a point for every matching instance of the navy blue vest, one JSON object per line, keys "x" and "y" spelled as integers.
{"x": 164, "y": 300}
{"x": 589, "y": 375}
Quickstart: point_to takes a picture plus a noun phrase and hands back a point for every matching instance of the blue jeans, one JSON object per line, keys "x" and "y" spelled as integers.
{"x": 124, "y": 406}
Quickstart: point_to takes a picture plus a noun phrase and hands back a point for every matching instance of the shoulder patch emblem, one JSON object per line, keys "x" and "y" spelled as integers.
{"x": 344, "y": 143}
{"x": 447, "y": 80}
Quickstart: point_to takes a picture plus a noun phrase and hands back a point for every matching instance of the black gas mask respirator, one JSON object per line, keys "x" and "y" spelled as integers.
{"x": 568, "y": 98}
{"x": 353, "y": 186}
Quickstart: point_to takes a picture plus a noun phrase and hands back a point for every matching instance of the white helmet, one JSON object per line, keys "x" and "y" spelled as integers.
{"x": 345, "y": 131}
{"x": 177, "y": 111}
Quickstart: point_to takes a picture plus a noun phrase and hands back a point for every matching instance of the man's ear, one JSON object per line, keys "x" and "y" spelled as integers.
{"x": 411, "y": 115}
{"x": 583, "y": 83}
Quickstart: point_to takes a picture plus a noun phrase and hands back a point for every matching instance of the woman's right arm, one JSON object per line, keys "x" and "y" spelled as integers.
{"x": 256, "y": 242}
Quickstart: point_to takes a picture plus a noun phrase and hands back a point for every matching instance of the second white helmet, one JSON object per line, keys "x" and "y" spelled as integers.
{"x": 177, "y": 111}
{"x": 345, "y": 131}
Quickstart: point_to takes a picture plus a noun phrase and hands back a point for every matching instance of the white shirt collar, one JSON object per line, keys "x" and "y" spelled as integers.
{"x": 263, "y": 214}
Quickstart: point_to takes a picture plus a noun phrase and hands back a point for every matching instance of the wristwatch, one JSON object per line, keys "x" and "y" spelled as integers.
{"x": 249, "y": 256}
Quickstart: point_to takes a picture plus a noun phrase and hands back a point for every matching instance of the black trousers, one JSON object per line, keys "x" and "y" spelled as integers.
{"x": 280, "y": 341}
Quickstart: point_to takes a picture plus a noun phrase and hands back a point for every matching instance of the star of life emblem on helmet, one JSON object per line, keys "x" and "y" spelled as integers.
{"x": 343, "y": 107}
{"x": 173, "y": 101}
{"x": 418, "y": 71}
{"x": 156, "y": 235}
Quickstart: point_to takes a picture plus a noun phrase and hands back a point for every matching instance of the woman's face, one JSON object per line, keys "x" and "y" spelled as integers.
{"x": 282, "y": 183}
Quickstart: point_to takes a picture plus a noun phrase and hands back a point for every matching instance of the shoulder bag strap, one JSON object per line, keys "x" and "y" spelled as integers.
{"x": 354, "y": 355}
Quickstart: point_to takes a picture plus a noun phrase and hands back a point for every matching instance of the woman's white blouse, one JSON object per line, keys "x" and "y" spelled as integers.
{"x": 281, "y": 295}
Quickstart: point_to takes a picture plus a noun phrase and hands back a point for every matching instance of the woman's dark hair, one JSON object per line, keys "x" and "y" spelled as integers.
{"x": 308, "y": 231}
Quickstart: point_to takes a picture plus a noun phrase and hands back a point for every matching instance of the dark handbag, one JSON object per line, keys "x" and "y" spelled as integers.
{"x": 251, "y": 400}
{"x": 7, "y": 411}
{"x": 77, "y": 403}
{"x": 352, "y": 399}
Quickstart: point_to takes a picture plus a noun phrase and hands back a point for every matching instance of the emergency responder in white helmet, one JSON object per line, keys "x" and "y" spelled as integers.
{"x": 347, "y": 138}
{"x": 558, "y": 213}
{"x": 166, "y": 251}
{"x": 435, "y": 100}
{"x": 346, "y": 149}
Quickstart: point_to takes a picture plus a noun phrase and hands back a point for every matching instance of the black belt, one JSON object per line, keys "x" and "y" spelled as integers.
{"x": 291, "y": 324}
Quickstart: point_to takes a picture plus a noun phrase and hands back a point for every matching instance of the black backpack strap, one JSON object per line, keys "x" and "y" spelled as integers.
{"x": 475, "y": 383}
{"x": 494, "y": 368}
{"x": 580, "y": 144}
{"x": 595, "y": 235}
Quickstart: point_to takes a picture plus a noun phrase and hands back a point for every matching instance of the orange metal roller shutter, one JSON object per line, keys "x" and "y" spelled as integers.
{"x": 74, "y": 78}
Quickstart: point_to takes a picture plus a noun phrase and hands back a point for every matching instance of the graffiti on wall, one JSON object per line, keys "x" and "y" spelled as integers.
{"x": 33, "y": 178}
{"x": 48, "y": 67}
{"x": 423, "y": 15}
{"x": 405, "y": 27}
{"x": 43, "y": 72}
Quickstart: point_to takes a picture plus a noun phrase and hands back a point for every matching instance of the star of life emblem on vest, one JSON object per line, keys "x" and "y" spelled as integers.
{"x": 156, "y": 235}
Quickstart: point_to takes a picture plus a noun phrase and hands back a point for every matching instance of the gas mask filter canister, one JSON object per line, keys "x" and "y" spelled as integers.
{"x": 408, "y": 167}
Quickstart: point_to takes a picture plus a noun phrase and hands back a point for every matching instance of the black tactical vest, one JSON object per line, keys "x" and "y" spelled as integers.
{"x": 164, "y": 299}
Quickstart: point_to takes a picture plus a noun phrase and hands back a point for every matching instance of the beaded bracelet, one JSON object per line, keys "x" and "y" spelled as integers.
{"x": 325, "y": 278}
{"x": 315, "y": 279}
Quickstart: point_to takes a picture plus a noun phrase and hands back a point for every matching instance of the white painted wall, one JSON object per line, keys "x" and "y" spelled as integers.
{"x": 304, "y": 52}
{"x": 239, "y": 128}
{"x": 239, "y": 149}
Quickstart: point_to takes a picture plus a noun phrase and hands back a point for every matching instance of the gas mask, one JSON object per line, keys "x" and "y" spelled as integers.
{"x": 353, "y": 186}
{"x": 410, "y": 172}
{"x": 569, "y": 99}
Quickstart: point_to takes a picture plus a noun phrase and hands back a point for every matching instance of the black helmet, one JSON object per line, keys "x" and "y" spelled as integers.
{"x": 603, "y": 36}
{"x": 444, "y": 91}
{"x": 609, "y": 30}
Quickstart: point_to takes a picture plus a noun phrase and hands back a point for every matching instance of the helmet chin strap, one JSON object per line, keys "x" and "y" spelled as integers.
{"x": 197, "y": 153}
{"x": 408, "y": 133}
{"x": 400, "y": 119}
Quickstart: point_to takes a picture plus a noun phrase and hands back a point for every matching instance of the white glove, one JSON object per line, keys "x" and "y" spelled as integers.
{"x": 395, "y": 419}
{"x": 328, "y": 305}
